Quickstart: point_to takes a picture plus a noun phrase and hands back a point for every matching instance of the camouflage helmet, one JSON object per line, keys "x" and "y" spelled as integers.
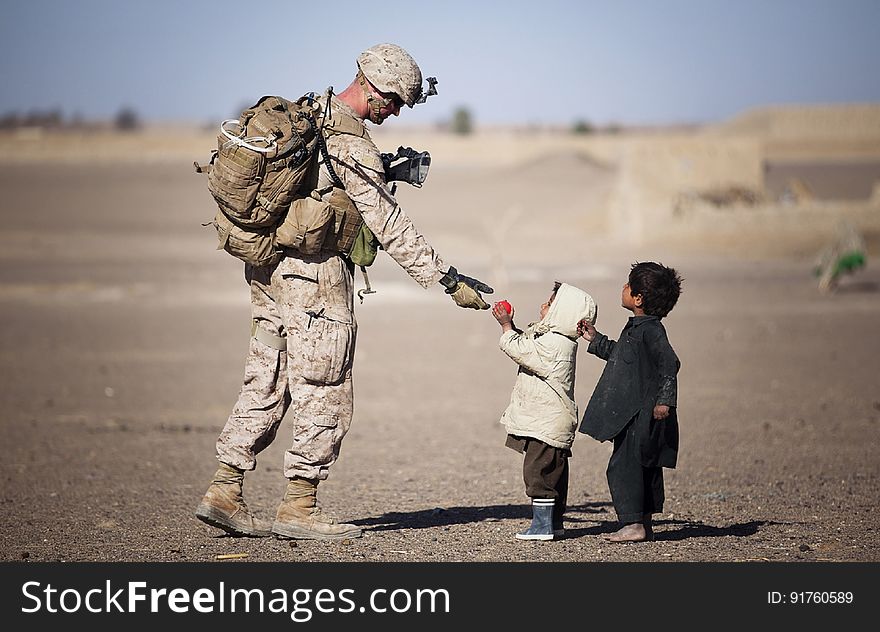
{"x": 391, "y": 69}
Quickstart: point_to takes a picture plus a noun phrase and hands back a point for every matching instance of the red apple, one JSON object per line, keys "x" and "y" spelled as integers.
{"x": 506, "y": 306}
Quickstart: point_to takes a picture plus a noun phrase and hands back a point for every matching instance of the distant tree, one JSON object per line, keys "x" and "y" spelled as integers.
{"x": 582, "y": 127}
{"x": 54, "y": 118}
{"x": 10, "y": 120}
{"x": 462, "y": 122}
{"x": 127, "y": 120}
{"x": 42, "y": 118}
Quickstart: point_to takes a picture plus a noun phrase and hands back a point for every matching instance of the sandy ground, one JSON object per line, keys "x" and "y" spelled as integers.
{"x": 124, "y": 334}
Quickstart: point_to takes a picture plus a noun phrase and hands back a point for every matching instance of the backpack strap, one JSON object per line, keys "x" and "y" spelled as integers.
{"x": 338, "y": 122}
{"x": 345, "y": 125}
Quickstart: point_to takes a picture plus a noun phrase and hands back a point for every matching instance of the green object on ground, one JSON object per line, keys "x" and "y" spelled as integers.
{"x": 849, "y": 262}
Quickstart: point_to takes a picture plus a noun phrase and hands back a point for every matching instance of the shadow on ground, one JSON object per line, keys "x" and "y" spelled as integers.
{"x": 686, "y": 529}
{"x": 856, "y": 287}
{"x": 442, "y": 517}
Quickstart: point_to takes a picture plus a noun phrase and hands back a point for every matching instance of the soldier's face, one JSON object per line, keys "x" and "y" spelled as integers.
{"x": 393, "y": 107}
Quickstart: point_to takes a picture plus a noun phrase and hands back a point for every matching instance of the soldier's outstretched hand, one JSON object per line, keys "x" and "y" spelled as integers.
{"x": 465, "y": 290}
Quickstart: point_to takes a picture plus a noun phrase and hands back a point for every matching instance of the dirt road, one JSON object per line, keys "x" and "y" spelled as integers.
{"x": 124, "y": 335}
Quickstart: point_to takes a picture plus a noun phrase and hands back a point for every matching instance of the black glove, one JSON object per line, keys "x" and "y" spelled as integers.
{"x": 465, "y": 290}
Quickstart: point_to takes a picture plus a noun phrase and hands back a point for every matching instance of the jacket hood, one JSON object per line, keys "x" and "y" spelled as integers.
{"x": 570, "y": 306}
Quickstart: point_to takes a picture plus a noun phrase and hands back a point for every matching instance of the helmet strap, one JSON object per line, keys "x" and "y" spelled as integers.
{"x": 376, "y": 103}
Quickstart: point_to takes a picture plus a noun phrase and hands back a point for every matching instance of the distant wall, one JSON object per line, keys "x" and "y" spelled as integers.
{"x": 830, "y": 132}
{"x": 654, "y": 172}
{"x": 802, "y": 122}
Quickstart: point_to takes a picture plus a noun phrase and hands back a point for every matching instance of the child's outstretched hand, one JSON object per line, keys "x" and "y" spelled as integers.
{"x": 504, "y": 318}
{"x": 586, "y": 330}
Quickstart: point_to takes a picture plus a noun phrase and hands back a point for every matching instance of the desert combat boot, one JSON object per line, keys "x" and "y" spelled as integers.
{"x": 300, "y": 517}
{"x": 223, "y": 506}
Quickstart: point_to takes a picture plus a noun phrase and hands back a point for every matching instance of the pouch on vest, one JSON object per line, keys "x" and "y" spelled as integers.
{"x": 351, "y": 236}
{"x": 365, "y": 248}
{"x": 306, "y": 226}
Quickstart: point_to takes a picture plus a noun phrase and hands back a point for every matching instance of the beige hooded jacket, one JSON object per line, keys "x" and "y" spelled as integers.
{"x": 546, "y": 353}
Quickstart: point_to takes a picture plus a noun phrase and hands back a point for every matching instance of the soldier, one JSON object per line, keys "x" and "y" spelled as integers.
{"x": 304, "y": 329}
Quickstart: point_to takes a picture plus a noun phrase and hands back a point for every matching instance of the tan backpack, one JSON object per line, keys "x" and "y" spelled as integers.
{"x": 262, "y": 176}
{"x": 262, "y": 160}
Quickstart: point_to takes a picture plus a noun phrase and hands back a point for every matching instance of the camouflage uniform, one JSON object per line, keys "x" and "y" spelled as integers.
{"x": 309, "y": 301}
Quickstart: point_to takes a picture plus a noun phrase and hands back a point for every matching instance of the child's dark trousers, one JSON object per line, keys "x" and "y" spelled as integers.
{"x": 636, "y": 490}
{"x": 545, "y": 469}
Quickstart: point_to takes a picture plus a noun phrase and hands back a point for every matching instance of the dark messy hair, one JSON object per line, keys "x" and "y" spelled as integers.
{"x": 659, "y": 286}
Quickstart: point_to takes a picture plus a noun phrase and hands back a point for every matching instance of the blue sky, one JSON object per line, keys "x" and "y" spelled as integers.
{"x": 519, "y": 62}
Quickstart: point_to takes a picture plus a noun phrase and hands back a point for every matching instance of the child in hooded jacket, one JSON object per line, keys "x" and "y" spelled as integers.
{"x": 542, "y": 416}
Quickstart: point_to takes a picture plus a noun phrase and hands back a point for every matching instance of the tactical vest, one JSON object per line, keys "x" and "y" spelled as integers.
{"x": 351, "y": 236}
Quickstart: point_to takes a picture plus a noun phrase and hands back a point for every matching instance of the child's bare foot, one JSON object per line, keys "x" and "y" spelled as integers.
{"x": 629, "y": 533}
{"x": 649, "y": 528}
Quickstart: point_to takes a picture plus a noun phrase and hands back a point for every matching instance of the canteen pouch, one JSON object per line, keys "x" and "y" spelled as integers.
{"x": 306, "y": 225}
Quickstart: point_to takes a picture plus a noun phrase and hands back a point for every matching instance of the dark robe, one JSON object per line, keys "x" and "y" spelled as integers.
{"x": 640, "y": 373}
